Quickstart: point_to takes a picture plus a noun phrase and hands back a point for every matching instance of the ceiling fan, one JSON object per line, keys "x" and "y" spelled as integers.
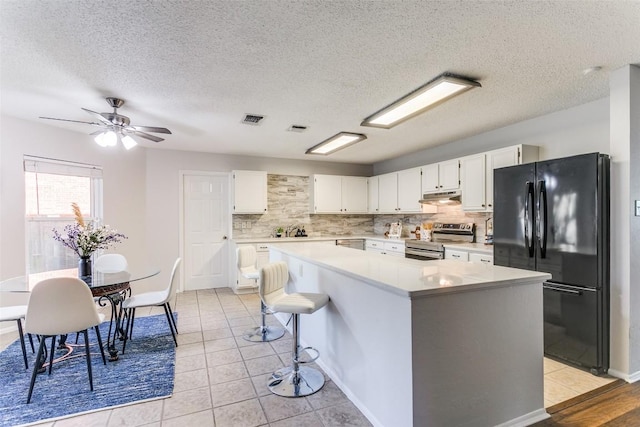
{"x": 114, "y": 127}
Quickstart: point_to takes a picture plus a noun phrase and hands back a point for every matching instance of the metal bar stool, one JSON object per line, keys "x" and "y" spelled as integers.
{"x": 247, "y": 265}
{"x": 295, "y": 380}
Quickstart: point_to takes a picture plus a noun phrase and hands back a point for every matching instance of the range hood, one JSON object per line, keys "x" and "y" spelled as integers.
{"x": 442, "y": 199}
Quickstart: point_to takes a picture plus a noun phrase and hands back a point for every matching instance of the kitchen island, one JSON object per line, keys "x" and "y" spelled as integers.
{"x": 424, "y": 343}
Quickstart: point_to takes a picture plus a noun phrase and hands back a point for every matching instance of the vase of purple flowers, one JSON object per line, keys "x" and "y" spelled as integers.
{"x": 84, "y": 238}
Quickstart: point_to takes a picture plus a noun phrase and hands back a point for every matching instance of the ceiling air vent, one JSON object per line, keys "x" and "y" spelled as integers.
{"x": 252, "y": 119}
{"x": 297, "y": 128}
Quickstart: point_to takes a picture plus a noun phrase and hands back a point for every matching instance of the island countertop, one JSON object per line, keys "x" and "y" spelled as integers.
{"x": 409, "y": 277}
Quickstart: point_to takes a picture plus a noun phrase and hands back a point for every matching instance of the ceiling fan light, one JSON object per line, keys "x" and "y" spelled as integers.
{"x": 110, "y": 139}
{"x": 128, "y": 142}
{"x": 99, "y": 139}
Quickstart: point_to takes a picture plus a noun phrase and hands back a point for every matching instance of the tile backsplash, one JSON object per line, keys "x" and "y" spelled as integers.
{"x": 288, "y": 205}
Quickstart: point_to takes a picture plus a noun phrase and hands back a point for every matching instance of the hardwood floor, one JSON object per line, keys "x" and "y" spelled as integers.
{"x": 614, "y": 405}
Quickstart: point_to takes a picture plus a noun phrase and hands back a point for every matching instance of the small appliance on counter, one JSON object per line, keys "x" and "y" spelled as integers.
{"x": 488, "y": 231}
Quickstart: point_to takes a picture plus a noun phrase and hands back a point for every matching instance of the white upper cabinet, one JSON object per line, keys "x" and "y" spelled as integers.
{"x": 399, "y": 192}
{"x": 443, "y": 176}
{"x": 388, "y": 193}
{"x": 477, "y": 174}
{"x": 372, "y": 189}
{"x": 473, "y": 177}
{"x": 337, "y": 194}
{"x": 354, "y": 194}
{"x": 249, "y": 192}
{"x": 409, "y": 190}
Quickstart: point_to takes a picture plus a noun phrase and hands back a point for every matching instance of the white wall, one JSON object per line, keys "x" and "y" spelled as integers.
{"x": 141, "y": 189}
{"x": 163, "y": 187}
{"x": 123, "y": 185}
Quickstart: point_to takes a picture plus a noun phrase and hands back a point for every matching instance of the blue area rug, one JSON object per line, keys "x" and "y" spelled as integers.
{"x": 144, "y": 372}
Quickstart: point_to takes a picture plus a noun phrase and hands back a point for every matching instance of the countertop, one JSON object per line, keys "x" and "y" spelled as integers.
{"x": 409, "y": 277}
{"x": 472, "y": 247}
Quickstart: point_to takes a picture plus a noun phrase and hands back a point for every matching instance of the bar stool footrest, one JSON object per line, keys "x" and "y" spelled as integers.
{"x": 288, "y": 383}
{"x": 308, "y": 349}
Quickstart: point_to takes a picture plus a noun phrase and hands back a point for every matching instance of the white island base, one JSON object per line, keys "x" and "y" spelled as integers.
{"x": 414, "y": 343}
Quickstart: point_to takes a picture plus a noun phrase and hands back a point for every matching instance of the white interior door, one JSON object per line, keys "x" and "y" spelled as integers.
{"x": 206, "y": 224}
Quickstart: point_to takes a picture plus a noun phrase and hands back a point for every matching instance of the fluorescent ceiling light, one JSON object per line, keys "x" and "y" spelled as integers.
{"x": 336, "y": 142}
{"x": 428, "y": 96}
{"x": 128, "y": 142}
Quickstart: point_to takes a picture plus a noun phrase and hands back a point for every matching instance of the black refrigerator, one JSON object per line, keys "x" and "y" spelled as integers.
{"x": 553, "y": 216}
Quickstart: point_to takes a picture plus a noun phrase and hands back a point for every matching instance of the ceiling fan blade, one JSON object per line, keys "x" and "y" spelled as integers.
{"x": 74, "y": 121}
{"x": 99, "y": 117}
{"x": 146, "y": 136}
{"x": 151, "y": 129}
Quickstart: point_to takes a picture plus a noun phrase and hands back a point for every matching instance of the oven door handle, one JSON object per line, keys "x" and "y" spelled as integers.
{"x": 423, "y": 254}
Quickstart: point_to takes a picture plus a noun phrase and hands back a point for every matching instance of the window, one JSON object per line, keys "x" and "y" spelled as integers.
{"x": 50, "y": 188}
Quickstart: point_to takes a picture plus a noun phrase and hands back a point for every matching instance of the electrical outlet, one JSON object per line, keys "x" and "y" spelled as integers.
{"x": 248, "y": 224}
{"x": 244, "y": 225}
{"x": 237, "y": 225}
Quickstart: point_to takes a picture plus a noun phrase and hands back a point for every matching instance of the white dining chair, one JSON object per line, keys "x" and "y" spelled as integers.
{"x": 152, "y": 299}
{"x": 17, "y": 313}
{"x": 110, "y": 263}
{"x": 60, "y": 306}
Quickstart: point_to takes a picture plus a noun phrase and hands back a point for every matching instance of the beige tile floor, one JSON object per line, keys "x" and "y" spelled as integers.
{"x": 563, "y": 382}
{"x": 220, "y": 378}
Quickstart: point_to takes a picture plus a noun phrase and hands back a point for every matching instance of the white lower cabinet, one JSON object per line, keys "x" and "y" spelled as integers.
{"x": 483, "y": 258}
{"x": 394, "y": 248}
{"x": 385, "y": 248}
{"x": 456, "y": 255}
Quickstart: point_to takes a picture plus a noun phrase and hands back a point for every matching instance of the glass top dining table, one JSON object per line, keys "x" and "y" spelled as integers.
{"x": 99, "y": 282}
{"x": 106, "y": 288}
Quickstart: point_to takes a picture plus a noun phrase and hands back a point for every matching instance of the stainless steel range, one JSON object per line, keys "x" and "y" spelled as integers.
{"x": 440, "y": 234}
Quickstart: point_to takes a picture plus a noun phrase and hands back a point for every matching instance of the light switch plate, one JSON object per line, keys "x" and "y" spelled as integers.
{"x": 637, "y": 207}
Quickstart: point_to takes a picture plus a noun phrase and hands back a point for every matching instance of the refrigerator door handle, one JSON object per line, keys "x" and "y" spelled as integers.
{"x": 528, "y": 225}
{"x": 561, "y": 290}
{"x": 542, "y": 218}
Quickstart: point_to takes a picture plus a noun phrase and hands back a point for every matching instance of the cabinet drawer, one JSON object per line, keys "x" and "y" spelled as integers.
{"x": 397, "y": 247}
{"x": 374, "y": 244}
{"x": 456, "y": 255}
{"x": 485, "y": 259}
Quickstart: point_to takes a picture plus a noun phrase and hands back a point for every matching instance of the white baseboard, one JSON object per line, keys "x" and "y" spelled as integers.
{"x": 630, "y": 378}
{"x": 527, "y": 419}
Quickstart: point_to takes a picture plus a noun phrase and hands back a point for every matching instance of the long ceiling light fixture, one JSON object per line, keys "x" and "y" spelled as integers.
{"x": 336, "y": 142}
{"x": 438, "y": 90}
{"x": 110, "y": 139}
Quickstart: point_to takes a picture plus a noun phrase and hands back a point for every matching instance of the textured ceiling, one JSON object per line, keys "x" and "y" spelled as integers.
{"x": 198, "y": 67}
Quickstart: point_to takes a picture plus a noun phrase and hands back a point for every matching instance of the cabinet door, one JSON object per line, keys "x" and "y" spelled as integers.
{"x": 327, "y": 193}
{"x": 249, "y": 191}
{"x": 456, "y": 255}
{"x": 354, "y": 194}
{"x": 409, "y": 190}
{"x": 388, "y": 193}
{"x": 430, "y": 179}
{"x": 499, "y": 159}
{"x": 485, "y": 259}
{"x": 449, "y": 175}
{"x": 473, "y": 183}
{"x": 372, "y": 191}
